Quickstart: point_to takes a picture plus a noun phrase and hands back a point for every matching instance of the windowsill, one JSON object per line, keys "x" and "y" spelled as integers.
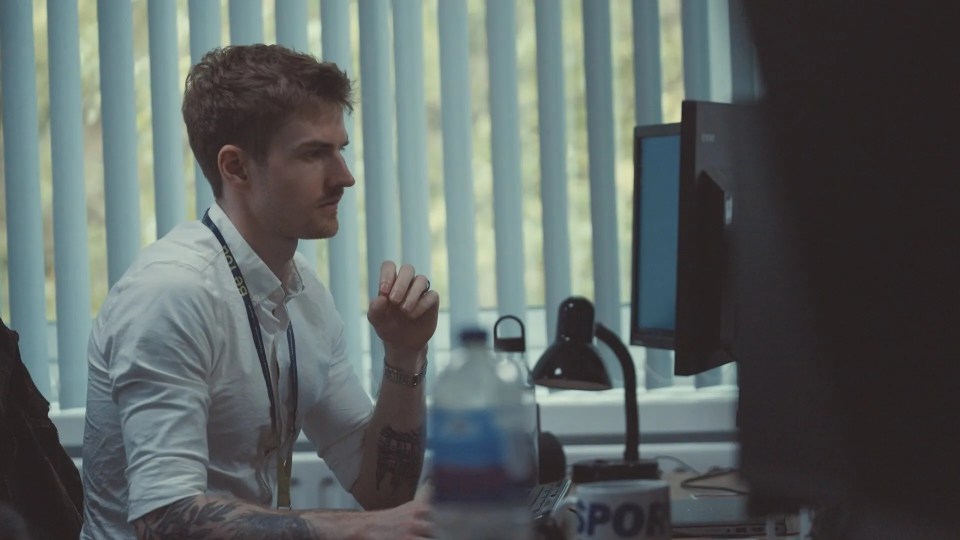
{"x": 667, "y": 415}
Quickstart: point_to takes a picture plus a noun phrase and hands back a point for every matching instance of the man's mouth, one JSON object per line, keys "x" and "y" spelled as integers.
{"x": 334, "y": 201}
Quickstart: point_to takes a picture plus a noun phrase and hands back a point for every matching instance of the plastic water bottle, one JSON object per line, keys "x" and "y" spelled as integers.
{"x": 481, "y": 459}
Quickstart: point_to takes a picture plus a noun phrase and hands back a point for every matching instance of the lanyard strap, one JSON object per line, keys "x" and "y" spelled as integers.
{"x": 284, "y": 462}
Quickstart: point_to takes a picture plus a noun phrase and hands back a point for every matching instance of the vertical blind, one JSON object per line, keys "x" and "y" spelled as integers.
{"x": 395, "y": 214}
{"x": 71, "y": 268}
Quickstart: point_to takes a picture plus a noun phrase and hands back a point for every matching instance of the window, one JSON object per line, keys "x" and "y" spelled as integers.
{"x": 166, "y": 37}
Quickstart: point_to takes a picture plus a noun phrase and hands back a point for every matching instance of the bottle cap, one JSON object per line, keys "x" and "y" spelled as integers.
{"x": 473, "y": 335}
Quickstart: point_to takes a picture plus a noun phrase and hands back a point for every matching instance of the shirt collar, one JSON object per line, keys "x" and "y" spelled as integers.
{"x": 261, "y": 282}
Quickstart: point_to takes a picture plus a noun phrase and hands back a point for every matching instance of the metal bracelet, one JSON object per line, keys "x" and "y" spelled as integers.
{"x": 399, "y": 376}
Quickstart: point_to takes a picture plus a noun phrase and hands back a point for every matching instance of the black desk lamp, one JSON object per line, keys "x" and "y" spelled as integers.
{"x": 573, "y": 362}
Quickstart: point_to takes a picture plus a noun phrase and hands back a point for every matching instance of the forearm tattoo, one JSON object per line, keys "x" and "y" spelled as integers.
{"x": 400, "y": 454}
{"x": 191, "y": 518}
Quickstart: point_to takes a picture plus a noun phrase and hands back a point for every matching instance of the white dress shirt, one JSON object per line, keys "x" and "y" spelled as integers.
{"x": 177, "y": 404}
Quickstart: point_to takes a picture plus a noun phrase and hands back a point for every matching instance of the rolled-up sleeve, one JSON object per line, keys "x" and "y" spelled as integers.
{"x": 336, "y": 424}
{"x": 160, "y": 356}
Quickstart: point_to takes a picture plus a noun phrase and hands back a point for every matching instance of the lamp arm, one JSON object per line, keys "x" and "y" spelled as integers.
{"x": 604, "y": 334}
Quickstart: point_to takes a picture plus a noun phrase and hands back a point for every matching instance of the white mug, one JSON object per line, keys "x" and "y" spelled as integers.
{"x": 616, "y": 510}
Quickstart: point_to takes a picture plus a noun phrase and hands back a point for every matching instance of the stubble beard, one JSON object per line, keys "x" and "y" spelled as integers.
{"x": 327, "y": 229}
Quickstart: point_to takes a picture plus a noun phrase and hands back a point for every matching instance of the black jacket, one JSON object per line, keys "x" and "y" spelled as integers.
{"x": 38, "y": 479}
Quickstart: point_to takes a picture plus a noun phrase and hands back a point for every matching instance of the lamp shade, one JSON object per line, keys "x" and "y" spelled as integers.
{"x": 572, "y": 361}
{"x": 575, "y": 366}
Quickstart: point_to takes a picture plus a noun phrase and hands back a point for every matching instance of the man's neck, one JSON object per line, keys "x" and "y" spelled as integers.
{"x": 277, "y": 253}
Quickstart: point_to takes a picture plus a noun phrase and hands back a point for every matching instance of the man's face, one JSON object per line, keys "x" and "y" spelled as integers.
{"x": 298, "y": 187}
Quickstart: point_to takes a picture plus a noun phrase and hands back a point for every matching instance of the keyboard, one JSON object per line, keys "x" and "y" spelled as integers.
{"x": 545, "y": 497}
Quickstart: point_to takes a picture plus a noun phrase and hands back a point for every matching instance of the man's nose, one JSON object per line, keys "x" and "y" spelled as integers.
{"x": 343, "y": 176}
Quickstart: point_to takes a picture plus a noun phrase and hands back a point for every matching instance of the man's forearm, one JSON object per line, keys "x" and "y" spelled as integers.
{"x": 216, "y": 518}
{"x": 393, "y": 447}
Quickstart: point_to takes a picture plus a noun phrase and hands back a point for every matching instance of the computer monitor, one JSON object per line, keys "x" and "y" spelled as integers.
{"x": 656, "y": 162}
{"x": 718, "y": 226}
{"x": 701, "y": 225}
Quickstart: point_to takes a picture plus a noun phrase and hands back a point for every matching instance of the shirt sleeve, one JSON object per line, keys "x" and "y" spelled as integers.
{"x": 159, "y": 356}
{"x": 336, "y": 424}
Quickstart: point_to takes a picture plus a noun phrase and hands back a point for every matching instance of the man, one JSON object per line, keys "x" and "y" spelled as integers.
{"x": 219, "y": 343}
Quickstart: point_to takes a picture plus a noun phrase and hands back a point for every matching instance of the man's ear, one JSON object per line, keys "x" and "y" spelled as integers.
{"x": 234, "y": 165}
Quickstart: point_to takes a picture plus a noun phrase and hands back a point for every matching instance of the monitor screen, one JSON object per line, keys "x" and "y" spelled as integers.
{"x": 656, "y": 160}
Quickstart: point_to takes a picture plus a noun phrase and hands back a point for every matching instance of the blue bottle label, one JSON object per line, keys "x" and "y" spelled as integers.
{"x": 476, "y": 457}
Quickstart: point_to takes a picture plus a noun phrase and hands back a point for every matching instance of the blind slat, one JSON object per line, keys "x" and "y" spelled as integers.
{"x": 411, "y": 133}
{"x": 458, "y": 165}
{"x": 744, "y": 78}
{"x": 553, "y": 157}
{"x": 598, "y": 72}
{"x": 119, "y": 113}
{"x": 696, "y": 67}
{"x": 706, "y": 50}
{"x": 501, "y": 29}
{"x": 291, "y": 21}
{"x": 165, "y": 92}
{"x": 246, "y": 22}
{"x": 380, "y": 190}
{"x": 649, "y": 111}
{"x": 22, "y": 179}
{"x": 345, "y": 246}
{"x": 412, "y": 141}
{"x": 647, "y": 67}
{"x": 71, "y": 259}
{"x": 204, "y": 36}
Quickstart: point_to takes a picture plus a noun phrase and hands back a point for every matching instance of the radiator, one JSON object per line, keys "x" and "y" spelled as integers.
{"x": 314, "y": 485}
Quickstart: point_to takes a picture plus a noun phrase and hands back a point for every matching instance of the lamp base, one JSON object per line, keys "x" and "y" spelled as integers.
{"x": 597, "y": 470}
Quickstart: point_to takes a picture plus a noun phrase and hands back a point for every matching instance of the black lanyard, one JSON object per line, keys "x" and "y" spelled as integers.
{"x": 284, "y": 464}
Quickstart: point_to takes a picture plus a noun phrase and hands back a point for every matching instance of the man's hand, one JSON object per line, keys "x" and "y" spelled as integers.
{"x": 409, "y": 521}
{"x": 404, "y": 313}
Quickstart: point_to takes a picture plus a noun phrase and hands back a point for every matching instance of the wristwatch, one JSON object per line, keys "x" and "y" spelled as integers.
{"x": 399, "y": 376}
